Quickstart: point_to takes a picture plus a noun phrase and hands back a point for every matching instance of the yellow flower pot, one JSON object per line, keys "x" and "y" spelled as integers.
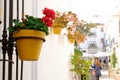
{"x": 57, "y": 30}
{"x": 29, "y": 44}
{"x": 71, "y": 40}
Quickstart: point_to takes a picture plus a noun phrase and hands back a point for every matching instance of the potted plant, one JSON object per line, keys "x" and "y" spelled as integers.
{"x": 75, "y": 36}
{"x": 80, "y": 66}
{"x": 78, "y": 29}
{"x": 113, "y": 59}
{"x": 71, "y": 37}
{"x": 30, "y": 32}
{"x": 59, "y": 22}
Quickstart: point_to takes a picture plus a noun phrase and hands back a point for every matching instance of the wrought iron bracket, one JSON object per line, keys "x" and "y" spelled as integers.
{"x": 7, "y": 60}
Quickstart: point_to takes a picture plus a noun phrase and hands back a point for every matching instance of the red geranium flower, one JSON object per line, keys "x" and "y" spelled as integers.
{"x": 47, "y": 21}
{"x": 49, "y": 13}
{"x": 49, "y": 16}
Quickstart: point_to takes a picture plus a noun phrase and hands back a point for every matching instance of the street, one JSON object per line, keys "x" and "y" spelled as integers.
{"x": 105, "y": 75}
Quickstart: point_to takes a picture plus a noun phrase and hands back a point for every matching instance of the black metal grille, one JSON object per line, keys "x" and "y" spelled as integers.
{"x": 8, "y": 45}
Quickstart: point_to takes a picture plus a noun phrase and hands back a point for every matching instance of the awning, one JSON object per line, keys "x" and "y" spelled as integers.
{"x": 98, "y": 54}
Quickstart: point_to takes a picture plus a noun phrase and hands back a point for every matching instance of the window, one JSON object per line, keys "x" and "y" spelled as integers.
{"x": 92, "y": 43}
{"x": 92, "y": 34}
{"x": 102, "y": 29}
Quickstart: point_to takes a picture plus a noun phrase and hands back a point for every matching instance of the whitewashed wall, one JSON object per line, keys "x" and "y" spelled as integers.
{"x": 54, "y": 59}
{"x": 55, "y": 54}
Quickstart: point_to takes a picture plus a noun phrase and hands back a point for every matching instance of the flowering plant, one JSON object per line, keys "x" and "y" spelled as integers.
{"x": 78, "y": 29}
{"x": 61, "y": 20}
{"x": 34, "y": 23}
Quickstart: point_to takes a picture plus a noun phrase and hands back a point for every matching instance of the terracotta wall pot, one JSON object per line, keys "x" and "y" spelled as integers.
{"x": 29, "y": 44}
{"x": 57, "y": 30}
{"x": 71, "y": 40}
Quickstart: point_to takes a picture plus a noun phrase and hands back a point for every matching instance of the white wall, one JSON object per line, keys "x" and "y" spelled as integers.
{"x": 54, "y": 60}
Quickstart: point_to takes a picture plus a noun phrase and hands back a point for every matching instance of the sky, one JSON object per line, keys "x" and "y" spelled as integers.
{"x": 85, "y": 9}
{"x": 88, "y": 8}
{"x": 104, "y": 9}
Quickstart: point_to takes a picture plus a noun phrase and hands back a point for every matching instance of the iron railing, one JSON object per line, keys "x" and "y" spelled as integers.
{"x": 8, "y": 44}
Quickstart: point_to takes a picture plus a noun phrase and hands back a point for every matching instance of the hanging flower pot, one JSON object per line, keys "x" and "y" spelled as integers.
{"x": 29, "y": 43}
{"x": 71, "y": 37}
{"x": 29, "y": 34}
{"x": 57, "y": 30}
{"x": 71, "y": 40}
{"x": 60, "y": 22}
{"x": 79, "y": 37}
